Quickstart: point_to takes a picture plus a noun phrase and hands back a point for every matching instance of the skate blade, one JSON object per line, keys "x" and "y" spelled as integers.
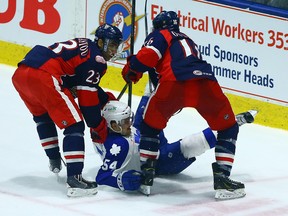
{"x": 79, "y": 192}
{"x": 145, "y": 189}
{"x": 253, "y": 112}
{"x": 227, "y": 195}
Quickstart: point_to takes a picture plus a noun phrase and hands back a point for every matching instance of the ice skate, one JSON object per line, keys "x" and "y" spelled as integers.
{"x": 55, "y": 165}
{"x": 148, "y": 170}
{"x": 79, "y": 187}
{"x": 145, "y": 189}
{"x": 246, "y": 117}
{"x": 225, "y": 187}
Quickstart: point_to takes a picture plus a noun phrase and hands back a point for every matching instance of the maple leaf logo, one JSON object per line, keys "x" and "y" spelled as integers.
{"x": 115, "y": 149}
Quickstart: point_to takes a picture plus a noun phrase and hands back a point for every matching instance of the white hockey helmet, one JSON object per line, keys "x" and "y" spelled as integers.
{"x": 116, "y": 111}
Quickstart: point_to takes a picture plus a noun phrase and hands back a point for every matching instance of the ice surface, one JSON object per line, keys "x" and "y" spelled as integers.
{"x": 27, "y": 187}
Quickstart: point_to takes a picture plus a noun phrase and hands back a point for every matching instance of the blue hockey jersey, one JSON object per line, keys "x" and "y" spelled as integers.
{"x": 120, "y": 153}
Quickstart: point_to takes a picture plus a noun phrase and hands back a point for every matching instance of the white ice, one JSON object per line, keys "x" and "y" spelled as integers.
{"x": 27, "y": 187}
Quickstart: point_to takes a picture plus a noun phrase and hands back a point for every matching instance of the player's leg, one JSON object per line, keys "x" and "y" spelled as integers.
{"x": 74, "y": 151}
{"x": 163, "y": 103}
{"x": 45, "y": 126}
{"x": 160, "y": 107}
{"x": 139, "y": 112}
{"x": 48, "y": 97}
{"x": 171, "y": 159}
{"x": 64, "y": 111}
{"x": 216, "y": 110}
{"x": 175, "y": 157}
{"x": 49, "y": 140}
{"x": 196, "y": 144}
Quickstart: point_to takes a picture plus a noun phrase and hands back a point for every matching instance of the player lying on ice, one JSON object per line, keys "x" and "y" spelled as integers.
{"x": 120, "y": 152}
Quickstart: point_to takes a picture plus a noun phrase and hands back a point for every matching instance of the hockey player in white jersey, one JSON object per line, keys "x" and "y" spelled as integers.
{"x": 120, "y": 152}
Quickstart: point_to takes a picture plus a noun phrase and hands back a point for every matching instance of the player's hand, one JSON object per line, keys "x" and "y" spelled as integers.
{"x": 110, "y": 96}
{"x": 99, "y": 133}
{"x": 130, "y": 75}
{"x": 129, "y": 180}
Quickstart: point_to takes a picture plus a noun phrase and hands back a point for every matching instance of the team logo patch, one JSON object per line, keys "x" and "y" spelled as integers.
{"x": 197, "y": 72}
{"x": 226, "y": 117}
{"x": 115, "y": 149}
{"x": 100, "y": 59}
{"x": 118, "y": 13}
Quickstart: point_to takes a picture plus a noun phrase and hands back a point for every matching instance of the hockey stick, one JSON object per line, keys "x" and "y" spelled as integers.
{"x": 145, "y": 189}
{"x": 146, "y": 34}
{"x": 122, "y": 91}
{"x": 57, "y": 173}
{"x": 131, "y": 49}
{"x": 146, "y": 21}
{"x": 63, "y": 161}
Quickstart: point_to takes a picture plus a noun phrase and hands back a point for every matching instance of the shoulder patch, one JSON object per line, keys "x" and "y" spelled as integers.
{"x": 100, "y": 59}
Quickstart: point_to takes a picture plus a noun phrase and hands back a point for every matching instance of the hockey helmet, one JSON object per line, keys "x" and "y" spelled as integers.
{"x": 112, "y": 39}
{"x": 166, "y": 20}
{"x": 116, "y": 111}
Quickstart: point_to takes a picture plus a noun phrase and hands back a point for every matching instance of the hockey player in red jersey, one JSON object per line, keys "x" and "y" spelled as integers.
{"x": 47, "y": 80}
{"x": 185, "y": 80}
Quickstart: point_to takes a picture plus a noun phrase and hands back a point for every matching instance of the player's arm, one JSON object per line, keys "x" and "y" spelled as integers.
{"x": 105, "y": 96}
{"x": 90, "y": 105}
{"x": 89, "y": 101}
{"x": 147, "y": 57}
{"x": 112, "y": 172}
{"x": 151, "y": 52}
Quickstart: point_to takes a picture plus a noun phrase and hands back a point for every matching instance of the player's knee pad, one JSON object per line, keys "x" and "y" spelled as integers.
{"x": 77, "y": 128}
{"x": 229, "y": 133}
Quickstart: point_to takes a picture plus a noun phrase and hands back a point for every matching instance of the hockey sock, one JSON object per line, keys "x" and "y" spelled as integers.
{"x": 48, "y": 135}
{"x": 225, "y": 148}
{"x": 149, "y": 142}
{"x": 73, "y": 148}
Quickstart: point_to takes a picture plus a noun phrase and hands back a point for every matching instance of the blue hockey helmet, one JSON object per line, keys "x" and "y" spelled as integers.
{"x": 107, "y": 31}
{"x": 166, "y": 20}
{"x": 111, "y": 37}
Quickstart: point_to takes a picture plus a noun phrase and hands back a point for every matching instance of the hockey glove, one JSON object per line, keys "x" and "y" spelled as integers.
{"x": 73, "y": 91}
{"x": 130, "y": 75}
{"x": 99, "y": 133}
{"x": 110, "y": 96}
{"x": 129, "y": 180}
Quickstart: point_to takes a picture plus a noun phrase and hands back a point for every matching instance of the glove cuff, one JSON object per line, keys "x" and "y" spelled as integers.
{"x": 119, "y": 181}
{"x": 101, "y": 124}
